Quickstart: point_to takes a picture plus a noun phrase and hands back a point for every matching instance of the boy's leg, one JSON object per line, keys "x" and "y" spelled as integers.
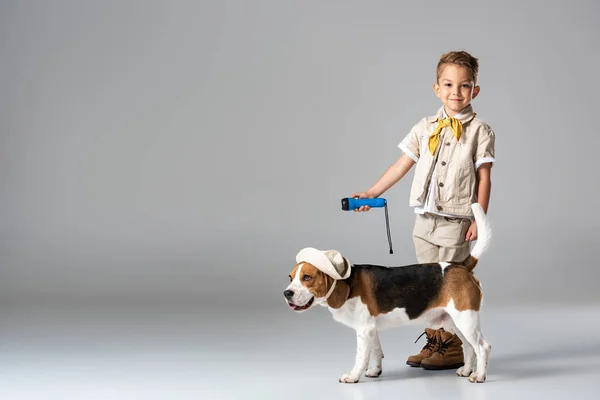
{"x": 426, "y": 251}
{"x": 441, "y": 238}
{"x": 449, "y": 236}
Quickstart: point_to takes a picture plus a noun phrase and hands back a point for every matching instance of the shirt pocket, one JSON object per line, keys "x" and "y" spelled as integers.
{"x": 464, "y": 183}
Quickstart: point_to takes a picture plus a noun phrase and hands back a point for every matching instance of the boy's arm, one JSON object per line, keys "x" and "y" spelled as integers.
{"x": 390, "y": 177}
{"x": 484, "y": 185}
{"x": 484, "y": 158}
{"x": 393, "y": 174}
{"x": 484, "y": 188}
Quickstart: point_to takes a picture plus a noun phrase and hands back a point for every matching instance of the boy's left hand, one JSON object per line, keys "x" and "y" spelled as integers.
{"x": 472, "y": 232}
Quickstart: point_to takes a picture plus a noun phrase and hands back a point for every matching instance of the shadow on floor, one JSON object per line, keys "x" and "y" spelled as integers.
{"x": 539, "y": 363}
{"x": 546, "y": 362}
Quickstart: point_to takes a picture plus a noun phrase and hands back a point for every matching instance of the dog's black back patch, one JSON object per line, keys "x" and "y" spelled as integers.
{"x": 412, "y": 287}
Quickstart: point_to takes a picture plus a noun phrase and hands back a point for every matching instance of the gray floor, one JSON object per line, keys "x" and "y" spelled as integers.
{"x": 180, "y": 351}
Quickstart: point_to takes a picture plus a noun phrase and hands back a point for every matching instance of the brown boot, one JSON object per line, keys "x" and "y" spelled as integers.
{"x": 447, "y": 355}
{"x": 428, "y": 349}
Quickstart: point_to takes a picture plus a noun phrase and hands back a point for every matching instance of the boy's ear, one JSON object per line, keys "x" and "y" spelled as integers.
{"x": 436, "y": 89}
{"x": 476, "y": 90}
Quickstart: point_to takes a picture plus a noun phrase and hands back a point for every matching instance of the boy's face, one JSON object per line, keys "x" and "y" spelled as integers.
{"x": 455, "y": 88}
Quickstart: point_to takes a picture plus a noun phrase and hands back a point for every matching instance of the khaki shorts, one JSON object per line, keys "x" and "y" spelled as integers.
{"x": 440, "y": 238}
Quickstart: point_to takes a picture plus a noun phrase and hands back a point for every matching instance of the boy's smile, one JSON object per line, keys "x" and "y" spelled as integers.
{"x": 456, "y": 88}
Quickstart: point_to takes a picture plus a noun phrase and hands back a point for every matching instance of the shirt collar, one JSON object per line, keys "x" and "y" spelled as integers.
{"x": 464, "y": 116}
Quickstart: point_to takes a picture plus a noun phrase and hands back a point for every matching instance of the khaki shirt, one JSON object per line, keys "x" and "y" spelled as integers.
{"x": 456, "y": 161}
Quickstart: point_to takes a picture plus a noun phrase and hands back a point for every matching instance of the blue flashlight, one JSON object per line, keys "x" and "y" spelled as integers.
{"x": 350, "y": 203}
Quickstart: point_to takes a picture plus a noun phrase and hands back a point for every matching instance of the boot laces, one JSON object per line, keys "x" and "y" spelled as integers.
{"x": 431, "y": 342}
{"x": 443, "y": 345}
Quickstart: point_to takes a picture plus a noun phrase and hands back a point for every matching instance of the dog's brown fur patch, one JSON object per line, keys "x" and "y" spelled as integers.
{"x": 362, "y": 286}
{"x": 340, "y": 294}
{"x": 317, "y": 282}
{"x": 460, "y": 286}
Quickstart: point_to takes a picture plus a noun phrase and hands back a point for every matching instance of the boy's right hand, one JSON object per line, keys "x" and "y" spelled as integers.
{"x": 362, "y": 195}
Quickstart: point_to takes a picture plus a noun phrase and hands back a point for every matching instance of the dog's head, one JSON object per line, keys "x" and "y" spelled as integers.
{"x": 307, "y": 283}
{"x": 311, "y": 279}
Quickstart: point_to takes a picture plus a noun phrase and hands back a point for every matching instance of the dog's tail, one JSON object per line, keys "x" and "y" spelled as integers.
{"x": 484, "y": 236}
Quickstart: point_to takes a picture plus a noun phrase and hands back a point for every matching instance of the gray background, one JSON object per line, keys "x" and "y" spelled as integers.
{"x": 176, "y": 155}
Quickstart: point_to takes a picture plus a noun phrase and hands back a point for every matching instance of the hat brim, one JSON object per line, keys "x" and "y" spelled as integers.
{"x": 322, "y": 262}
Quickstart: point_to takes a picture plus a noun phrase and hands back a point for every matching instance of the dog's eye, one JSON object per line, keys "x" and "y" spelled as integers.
{"x": 307, "y": 277}
{"x": 289, "y": 276}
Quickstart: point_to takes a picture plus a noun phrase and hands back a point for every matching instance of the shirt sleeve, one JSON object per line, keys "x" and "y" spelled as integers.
{"x": 486, "y": 147}
{"x": 410, "y": 144}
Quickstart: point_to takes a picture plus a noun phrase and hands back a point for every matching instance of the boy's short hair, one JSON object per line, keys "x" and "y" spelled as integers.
{"x": 461, "y": 58}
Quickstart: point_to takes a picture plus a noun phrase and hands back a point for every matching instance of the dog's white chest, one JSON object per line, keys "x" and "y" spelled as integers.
{"x": 353, "y": 313}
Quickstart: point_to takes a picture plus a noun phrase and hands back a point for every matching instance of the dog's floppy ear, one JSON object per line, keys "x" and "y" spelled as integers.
{"x": 340, "y": 294}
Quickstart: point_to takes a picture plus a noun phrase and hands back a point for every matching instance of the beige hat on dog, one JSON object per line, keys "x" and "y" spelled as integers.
{"x": 330, "y": 262}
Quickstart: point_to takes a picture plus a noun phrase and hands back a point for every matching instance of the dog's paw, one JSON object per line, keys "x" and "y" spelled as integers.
{"x": 373, "y": 372}
{"x": 477, "y": 378}
{"x": 464, "y": 371}
{"x": 347, "y": 378}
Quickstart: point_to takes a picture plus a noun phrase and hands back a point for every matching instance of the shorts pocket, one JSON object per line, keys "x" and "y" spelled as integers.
{"x": 453, "y": 220}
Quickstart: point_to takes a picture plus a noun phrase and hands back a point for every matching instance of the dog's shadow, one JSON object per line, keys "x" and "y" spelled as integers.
{"x": 540, "y": 363}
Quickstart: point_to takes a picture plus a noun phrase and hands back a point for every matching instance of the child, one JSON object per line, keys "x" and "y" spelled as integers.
{"x": 454, "y": 153}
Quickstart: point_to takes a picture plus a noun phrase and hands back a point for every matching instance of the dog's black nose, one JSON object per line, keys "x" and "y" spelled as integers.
{"x": 288, "y": 294}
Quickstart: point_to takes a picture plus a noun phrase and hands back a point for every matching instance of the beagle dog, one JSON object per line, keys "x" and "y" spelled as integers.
{"x": 369, "y": 298}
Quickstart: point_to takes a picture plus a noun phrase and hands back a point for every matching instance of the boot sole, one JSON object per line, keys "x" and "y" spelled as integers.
{"x": 413, "y": 364}
{"x": 440, "y": 367}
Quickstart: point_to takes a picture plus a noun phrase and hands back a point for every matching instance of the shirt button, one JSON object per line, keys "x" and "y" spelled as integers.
{"x": 440, "y": 184}
{"x": 439, "y": 208}
{"x": 447, "y": 143}
{"x": 443, "y": 162}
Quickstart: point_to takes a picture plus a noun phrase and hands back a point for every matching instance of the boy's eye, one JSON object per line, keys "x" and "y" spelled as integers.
{"x": 448, "y": 84}
{"x": 466, "y": 86}
{"x": 307, "y": 277}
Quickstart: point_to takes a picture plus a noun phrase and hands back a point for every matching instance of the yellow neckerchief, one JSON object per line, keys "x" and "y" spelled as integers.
{"x": 454, "y": 124}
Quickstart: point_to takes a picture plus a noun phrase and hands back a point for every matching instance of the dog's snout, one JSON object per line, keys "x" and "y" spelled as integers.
{"x": 288, "y": 294}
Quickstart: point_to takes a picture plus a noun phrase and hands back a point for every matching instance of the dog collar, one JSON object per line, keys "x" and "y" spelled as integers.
{"x": 323, "y": 300}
